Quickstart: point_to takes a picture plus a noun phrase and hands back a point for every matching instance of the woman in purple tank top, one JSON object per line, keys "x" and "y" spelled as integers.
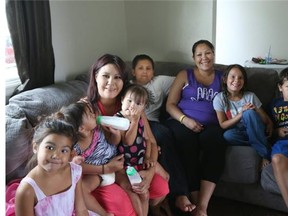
{"x": 195, "y": 127}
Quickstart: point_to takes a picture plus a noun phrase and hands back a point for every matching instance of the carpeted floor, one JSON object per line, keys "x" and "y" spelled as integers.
{"x": 225, "y": 207}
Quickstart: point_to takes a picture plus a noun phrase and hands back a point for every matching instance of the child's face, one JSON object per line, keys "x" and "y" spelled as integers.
{"x": 130, "y": 103}
{"x": 235, "y": 80}
{"x": 54, "y": 152}
{"x": 284, "y": 89}
{"x": 143, "y": 72}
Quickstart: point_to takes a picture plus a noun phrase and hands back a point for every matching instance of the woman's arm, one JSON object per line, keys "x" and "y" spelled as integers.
{"x": 113, "y": 165}
{"x": 149, "y": 136}
{"x": 147, "y": 159}
{"x": 115, "y": 136}
{"x": 25, "y": 200}
{"x": 175, "y": 95}
{"x": 173, "y": 99}
{"x": 80, "y": 207}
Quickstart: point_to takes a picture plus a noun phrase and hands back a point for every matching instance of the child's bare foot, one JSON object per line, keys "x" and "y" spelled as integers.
{"x": 183, "y": 203}
{"x": 199, "y": 212}
{"x": 265, "y": 162}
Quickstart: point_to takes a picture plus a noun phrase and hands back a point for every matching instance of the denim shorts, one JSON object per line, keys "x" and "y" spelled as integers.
{"x": 280, "y": 147}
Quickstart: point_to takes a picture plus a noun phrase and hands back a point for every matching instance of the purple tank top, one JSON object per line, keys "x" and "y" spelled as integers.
{"x": 197, "y": 99}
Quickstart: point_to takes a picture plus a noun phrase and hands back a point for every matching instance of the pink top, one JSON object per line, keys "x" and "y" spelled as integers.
{"x": 61, "y": 204}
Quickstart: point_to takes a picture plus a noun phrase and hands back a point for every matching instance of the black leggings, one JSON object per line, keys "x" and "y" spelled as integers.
{"x": 169, "y": 159}
{"x": 202, "y": 154}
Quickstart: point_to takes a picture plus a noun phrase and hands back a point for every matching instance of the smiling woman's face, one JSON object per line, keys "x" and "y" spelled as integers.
{"x": 204, "y": 57}
{"x": 109, "y": 81}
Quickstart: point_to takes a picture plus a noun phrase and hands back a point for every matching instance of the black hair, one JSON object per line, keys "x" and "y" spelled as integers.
{"x": 224, "y": 82}
{"x": 92, "y": 92}
{"x": 53, "y": 124}
{"x": 73, "y": 113}
{"x": 139, "y": 92}
{"x": 208, "y": 43}
{"x": 283, "y": 76}
{"x": 140, "y": 57}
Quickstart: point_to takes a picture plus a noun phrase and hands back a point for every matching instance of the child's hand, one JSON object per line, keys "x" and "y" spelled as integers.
{"x": 133, "y": 114}
{"x": 78, "y": 159}
{"x": 248, "y": 106}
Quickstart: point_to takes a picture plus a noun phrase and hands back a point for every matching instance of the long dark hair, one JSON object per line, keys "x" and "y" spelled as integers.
{"x": 92, "y": 92}
{"x": 224, "y": 82}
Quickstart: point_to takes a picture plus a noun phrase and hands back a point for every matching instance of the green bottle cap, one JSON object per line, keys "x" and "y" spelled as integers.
{"x": 130, "y": 171}
{"x": 98, "y": 120}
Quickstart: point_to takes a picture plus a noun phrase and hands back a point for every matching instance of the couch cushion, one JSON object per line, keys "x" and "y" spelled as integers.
{"x": 268, "y": 181}
{"x": 18, "y": 137}
{"x": 45, "y": 100}
{"x": 242, "y": 165}
{"x": 23, "y": 112}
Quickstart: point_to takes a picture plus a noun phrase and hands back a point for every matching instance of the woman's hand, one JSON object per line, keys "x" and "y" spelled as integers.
{"x": 115, "y": 164}
{"x": 109, "y": 130}
{"x": 148, "y": 162}
{"x": 192, "y": 124}
{"x": 147, "y": 176}
{"x": 113, "y": 136}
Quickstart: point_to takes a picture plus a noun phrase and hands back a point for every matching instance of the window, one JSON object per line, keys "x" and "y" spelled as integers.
{"x": 9, "y": 52}
{"x": 11, "y": 75}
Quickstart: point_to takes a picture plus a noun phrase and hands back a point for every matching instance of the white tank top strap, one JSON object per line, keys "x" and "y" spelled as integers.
{"x": 39, "y": 193}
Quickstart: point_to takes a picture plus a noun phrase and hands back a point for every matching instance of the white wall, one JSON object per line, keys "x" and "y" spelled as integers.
{"x": 166, "y": 30}
{"x": 82, "y": 31}
{"x": 246, "y": 29}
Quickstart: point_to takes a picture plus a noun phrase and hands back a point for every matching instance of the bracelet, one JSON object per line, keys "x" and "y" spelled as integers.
{"x": 181, "y": 118}
{"x": 103, "y": 171}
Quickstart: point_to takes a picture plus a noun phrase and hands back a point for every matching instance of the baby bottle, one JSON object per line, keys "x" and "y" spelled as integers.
{"x": 113, "y": 121}
{"x": 133, "y": 175}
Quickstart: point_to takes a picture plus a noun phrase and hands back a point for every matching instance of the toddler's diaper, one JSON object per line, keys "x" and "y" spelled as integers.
{"x": 107, "y": 179}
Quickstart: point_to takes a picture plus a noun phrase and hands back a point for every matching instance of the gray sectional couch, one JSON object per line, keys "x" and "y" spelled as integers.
{"x": 242, "y": 179}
